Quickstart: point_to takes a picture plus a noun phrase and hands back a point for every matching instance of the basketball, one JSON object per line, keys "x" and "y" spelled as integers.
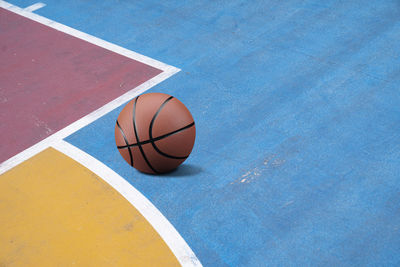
{"x": 155, "y": 133}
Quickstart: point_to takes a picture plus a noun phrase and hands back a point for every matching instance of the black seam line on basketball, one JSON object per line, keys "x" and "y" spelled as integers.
{"x": 157, "y": 138}
{"x": 151, "y": 132}
{"x": 126, "y": 142}
{"x": 137, "y": 137}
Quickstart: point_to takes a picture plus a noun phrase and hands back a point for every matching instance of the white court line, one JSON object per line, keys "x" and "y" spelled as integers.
{"x": 34, "y": 7}
{"x": 169, "y": 234}
{"x": 89, "y": 38}
{"x": 178, "y": 246}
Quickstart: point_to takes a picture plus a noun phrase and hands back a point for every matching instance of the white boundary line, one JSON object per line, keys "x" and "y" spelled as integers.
{"x": 75, "y": 126}
{"x": 176, "y": 243}
{"x": 167, "y": 232}
{"x": 34, "y": 7}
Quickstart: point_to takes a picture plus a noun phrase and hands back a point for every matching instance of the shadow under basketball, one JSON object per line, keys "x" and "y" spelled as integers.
{"x": 184, "y": 170}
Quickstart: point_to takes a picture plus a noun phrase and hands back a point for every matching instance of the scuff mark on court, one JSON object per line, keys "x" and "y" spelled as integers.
{"x": 271, "y": 162}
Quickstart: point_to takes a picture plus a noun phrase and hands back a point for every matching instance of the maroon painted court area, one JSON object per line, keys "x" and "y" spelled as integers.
{"x": 49, "y": 79}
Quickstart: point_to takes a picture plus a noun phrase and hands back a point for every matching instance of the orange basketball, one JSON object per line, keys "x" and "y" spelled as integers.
{"x": 155, "y": 133}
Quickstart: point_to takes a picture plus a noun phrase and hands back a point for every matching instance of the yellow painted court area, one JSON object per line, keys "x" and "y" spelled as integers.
{"x": 55, "y": 212}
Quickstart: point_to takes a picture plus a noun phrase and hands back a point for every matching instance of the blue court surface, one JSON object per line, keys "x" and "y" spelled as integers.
{"x": 297, "y": 111}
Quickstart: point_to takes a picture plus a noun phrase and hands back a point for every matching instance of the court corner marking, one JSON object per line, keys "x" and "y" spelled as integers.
{"x": 167, "y": 71}
{"x": 164, "y": 228}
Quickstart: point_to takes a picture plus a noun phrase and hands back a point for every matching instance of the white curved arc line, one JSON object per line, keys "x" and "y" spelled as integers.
{"x": 176, "y": 243}
{"x": 168, "y": 233}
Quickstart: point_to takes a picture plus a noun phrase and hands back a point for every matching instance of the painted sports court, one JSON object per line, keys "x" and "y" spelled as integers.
{"x": 297, "y": 153}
